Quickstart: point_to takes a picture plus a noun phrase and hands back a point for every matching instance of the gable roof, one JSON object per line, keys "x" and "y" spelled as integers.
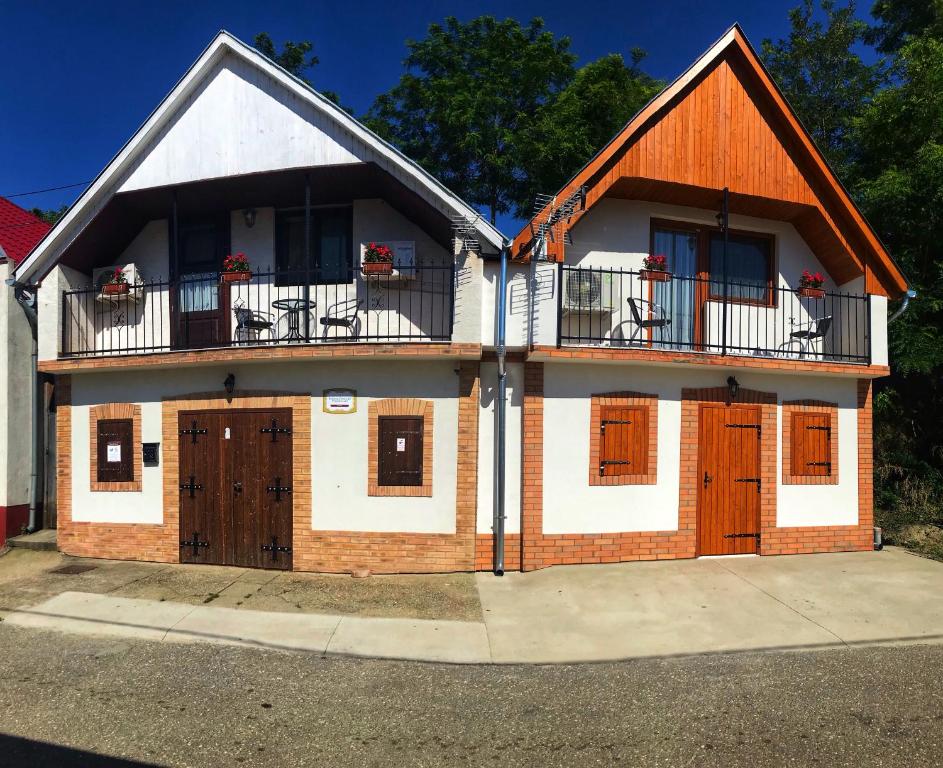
{"x": 20, "y": 230}
{"x": 43, "y": 256}
{"x": 724, "y": 123}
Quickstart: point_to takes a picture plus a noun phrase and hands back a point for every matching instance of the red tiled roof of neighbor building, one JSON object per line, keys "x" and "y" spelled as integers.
{"x": 20, "y": 230}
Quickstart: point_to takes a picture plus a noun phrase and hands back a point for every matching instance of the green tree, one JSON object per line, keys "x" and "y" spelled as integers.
{"x": 882, "y": 125}
{"x": 569, "y": 130}
{"x": 469, "y": 92}
{"x": 49, "y": 215}
{"x": 296, "y": 58}
{"x": 822, "y": 76}
{"x": 900, "y": 20}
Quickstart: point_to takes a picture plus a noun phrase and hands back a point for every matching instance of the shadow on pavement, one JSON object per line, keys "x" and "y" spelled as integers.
{"x": 19, "y": 753}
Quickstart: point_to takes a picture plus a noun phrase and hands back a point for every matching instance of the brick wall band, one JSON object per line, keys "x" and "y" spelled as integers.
{"x": 322, "y": 551}
{"x": 538, "y": 550}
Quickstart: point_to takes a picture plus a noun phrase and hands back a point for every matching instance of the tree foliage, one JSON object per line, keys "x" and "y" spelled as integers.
{"x": 823, "y": 77}
{"x": 469, "y": 92}
{"x": 295, "y": 58}
{"x": 569, "y": 130}
{"x": 49, "y": 215}
{"x": 888, "y": 142}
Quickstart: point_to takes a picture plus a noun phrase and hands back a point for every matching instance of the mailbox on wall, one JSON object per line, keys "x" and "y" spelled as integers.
{"x": 151, "y": 453}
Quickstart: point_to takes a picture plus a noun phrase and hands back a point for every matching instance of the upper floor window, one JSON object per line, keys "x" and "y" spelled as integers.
{"x": 749, "y": 267}
{"x": 331, "y": 254}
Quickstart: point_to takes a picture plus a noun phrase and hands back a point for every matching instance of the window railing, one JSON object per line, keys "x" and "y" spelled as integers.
{"x": 618, "y": 308}
{"x": 413, "y": 304}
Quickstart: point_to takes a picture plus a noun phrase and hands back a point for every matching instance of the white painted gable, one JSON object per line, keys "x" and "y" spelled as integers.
{"x": 240, "y": 121}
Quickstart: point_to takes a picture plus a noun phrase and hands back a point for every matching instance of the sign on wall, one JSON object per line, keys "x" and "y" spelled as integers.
{"x": 339, "y": 401}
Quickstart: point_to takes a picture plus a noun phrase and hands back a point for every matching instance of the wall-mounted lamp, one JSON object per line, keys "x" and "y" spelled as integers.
{"x": 249, "y": 215}
{"x": 229, "y": 385}
{"x": 733, "y": 386}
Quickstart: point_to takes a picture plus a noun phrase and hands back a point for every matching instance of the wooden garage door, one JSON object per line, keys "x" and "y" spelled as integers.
{"x": 730, "y": 488}
{"x": 236, "y": 488}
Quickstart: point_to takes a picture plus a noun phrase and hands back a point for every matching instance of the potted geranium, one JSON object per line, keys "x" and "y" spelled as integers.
{"x": 117, "y": 283}
{"x": 655, "y": 268}
{"x": 377, "y": 259}
{"x": 236, "y": 269}
{"x": 810, "y": 285}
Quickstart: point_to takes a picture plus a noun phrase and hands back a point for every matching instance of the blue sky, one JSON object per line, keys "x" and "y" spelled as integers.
{"x": 81, "y": 77}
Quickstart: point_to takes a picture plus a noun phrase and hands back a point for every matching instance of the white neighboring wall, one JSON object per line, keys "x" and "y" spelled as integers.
{"x": 338, "y": 443}
{"x": 15, "y": 397}
{"x": 571, "y": 505}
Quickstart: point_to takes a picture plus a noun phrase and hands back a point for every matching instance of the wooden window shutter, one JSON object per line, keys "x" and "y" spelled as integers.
{"x": 115, "y": 450}
{"x": 811, "y": 441}
{"x": 400, "y": 450}
{"x": 623, "y": 440}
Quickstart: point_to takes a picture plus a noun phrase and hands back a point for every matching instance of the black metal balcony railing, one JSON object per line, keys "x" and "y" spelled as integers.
{"x": 617, "y": 308}
{"x": 415, "y": 304}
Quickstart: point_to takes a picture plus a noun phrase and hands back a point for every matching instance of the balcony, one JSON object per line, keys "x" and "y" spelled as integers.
{"x": 613, "y": 308}
{"x": 414, "y": 304}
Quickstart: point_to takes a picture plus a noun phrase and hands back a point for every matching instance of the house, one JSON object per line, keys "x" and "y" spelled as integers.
{"x": 723, "y": 408}
{"x": 300, "y": 412}
{"x": 476, "y": 403}
{"x": 19, "y": 232}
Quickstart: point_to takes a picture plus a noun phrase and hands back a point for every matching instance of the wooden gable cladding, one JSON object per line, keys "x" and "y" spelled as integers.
{"x": 724, "y": 123}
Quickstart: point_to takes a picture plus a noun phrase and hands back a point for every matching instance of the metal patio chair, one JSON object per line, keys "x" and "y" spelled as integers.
{"x": 342, "y": 315}
{"x": 657, "y": 318}
{"x": 251, "y": 324}
{"x": 806, "y": 335}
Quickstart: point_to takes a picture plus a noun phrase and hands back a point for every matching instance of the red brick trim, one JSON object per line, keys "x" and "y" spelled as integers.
{"x": 399, "y": 406}
{"x": 409, "y": 351}
{"x": 484, "y": 552}
{"x": 650, "y": 403}
{"x": 838, "y": 538}
{"x": 809, "y": 406}
{"x": 344, "y": 551}
{"x": 691, "y": 402}
{"x": 115, "y": 411}
{"x": 542, "y": 352}
{"x": 539, "y": 550}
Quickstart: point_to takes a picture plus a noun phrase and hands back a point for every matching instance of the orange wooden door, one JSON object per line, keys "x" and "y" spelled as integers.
{"x": 728, "y": 506}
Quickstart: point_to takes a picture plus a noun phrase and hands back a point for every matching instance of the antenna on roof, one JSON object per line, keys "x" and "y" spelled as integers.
{"x": 550, "y": 215}
{"x": 465, "y": 233}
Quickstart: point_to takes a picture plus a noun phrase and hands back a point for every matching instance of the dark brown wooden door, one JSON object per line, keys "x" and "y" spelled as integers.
{"x": 261, "y": 486}
{"x": 203, "y": 529}
{"x": 236, "y": 488}
{"x": 201, "y": 303}
{"x": 730, "y": 488}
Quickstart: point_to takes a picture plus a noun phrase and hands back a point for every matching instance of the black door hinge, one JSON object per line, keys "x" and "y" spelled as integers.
{"x": 604, "y": 464}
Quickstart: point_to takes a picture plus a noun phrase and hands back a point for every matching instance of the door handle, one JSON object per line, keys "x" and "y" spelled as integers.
{"x": 707, "y": 478}
{"x": 237, "y": 486}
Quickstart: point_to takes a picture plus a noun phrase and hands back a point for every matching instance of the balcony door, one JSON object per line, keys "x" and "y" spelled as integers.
{"x": 201, "y": 316}
{"x": 677, "y": 300}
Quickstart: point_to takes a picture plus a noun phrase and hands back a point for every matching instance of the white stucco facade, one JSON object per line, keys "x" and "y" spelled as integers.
{"x": 572, "y": 505}
{"x": 340, "y": 501}
{"x": 16, "y": 399}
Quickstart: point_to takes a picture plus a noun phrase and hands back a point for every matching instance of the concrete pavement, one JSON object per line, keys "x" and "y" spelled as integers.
{"x": 575, "y": 614}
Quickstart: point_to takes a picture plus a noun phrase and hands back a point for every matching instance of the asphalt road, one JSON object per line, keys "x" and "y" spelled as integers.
{"x": 74, "y": 701}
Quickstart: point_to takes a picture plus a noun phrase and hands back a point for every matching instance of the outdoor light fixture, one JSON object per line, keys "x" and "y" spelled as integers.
{"x": 230, "y": 385}
{"x": 733, "y": 386}
{"x": 249, "y": 215}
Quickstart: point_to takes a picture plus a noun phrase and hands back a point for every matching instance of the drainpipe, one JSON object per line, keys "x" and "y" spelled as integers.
{"x": 911, "y": 294}
{"x": 26, "y": 297}
{"x": 499, "y": 470}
